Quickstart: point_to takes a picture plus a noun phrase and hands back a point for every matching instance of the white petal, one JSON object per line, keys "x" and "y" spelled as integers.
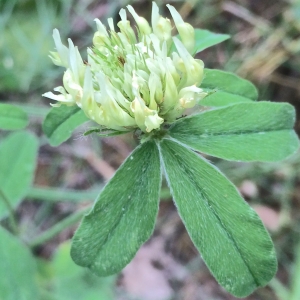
{"x": 101, "y": 28}
{"x": 60, "y": 97}
{"x": 62, "y": 50}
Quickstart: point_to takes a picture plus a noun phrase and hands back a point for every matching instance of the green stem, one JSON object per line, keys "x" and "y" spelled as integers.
{"x": 57, "y": 228}
{"x": 11, "y": 214}
{"x": 280, "y": 290}
{"x": 57, "y": 194}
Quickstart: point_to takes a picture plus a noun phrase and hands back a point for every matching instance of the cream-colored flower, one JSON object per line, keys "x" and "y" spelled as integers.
{"x": 132, "y": 80}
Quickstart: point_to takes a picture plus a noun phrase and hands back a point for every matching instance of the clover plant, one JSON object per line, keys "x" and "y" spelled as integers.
{"x": 142, "y": 79}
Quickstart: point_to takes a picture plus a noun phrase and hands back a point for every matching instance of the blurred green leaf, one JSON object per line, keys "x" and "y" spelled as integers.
{"x": 18, "y": 153}
{"x": 17, "y": 271}
{"x": 26, "y": 29}
{"x": 256, "y": 131}
{"x": 62, "y": 264}
{"x": 228, "y": 233}
{"x": 17, "y": 72}
{"x": 123, "y": 216}
{"x": 73, "y": 282}
{"x": 205, "y": 39}
{"x": 60, "y": 123}
{"x": 295, "y": 286}
{"x": 227, "y": 87}
{"x": 12, "y": 117}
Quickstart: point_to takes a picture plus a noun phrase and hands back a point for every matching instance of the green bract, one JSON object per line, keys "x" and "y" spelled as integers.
{"x": 146, "y": 82}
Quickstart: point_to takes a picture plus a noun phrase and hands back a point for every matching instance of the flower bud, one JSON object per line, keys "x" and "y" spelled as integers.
{"x": 142, "y": 23}
{"x": 161, "y": 26}
{"x": 61, "y": 57}
{"x": 185, "y": 30}
{"x": 192, "y": 68}
{"x": 125, "y": 28}
{"x": 171, "y": 95}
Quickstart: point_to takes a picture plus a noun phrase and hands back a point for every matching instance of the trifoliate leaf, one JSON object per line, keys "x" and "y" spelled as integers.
{"x": 123, "y": 216}
{"x": 228, "y": 233}
{"x": 256, "y": 131}
{"x": 12, "y": 117}
{"x": 61, "y": 121}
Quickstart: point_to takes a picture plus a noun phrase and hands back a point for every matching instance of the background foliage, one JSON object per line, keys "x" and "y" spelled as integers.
{"x": 264, "y": 48}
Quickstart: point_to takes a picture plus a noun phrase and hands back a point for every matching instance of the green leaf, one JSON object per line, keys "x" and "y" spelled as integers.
{"x": 225, "y": 229}
{"x": 123, "y": 216}
{"x": 205, "y": 39}
{"x": 73, "y": 282}
{"x": 18, "y": 153}
{"x": 61, "y": 121}
{"x": 18, "y": 269}
{"x": 12, "y": 117}
{"x": 256, "y": 131}
{"x": 220, "y": 98}
{"x": 227, "y": 83}
{"x": 295, "y": 287}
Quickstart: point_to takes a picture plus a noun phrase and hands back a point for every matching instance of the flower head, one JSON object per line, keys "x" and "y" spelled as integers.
{"x": 132, "y": 80}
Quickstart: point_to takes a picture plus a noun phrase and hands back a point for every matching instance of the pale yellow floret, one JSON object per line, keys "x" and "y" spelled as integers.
{"x": 185, "y": 30}
{"x": 146, "y": 119}
{"x": 142, "y": 23}
{"x": 60, "y": 58}
{"x": 132, "y": 81}
{"x": 162, "y": 27}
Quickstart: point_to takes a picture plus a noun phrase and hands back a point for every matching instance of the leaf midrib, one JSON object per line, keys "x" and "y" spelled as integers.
{"x": 111, "y": 232}
{"x": 114, "y": 228}
{"x": 214, "y": 213}
{"x": 228, "y": 133}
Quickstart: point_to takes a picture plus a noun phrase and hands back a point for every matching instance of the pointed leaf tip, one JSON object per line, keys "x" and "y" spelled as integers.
{"x": 205, "y": 39}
